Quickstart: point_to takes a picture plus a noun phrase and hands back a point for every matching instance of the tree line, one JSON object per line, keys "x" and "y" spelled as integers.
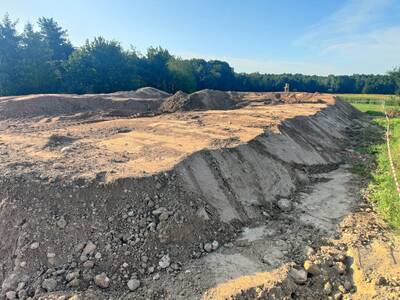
{"x": 45, "y": 61}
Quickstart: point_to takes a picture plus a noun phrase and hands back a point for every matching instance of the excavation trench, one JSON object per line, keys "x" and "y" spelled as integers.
{"x": 206, "y": 222}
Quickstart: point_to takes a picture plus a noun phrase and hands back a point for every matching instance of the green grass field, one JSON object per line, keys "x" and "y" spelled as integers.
{"x": 392, "y": 100}
{"x": 381, "y": 190}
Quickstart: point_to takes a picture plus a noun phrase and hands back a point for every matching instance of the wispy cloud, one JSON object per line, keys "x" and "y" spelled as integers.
{"x": 354, "y": 39}
{"x": 353, "y": 17}
{"x": 358, "y": 36}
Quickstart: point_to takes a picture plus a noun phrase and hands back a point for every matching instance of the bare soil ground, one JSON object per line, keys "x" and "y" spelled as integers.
{"x": 213, "y": 195}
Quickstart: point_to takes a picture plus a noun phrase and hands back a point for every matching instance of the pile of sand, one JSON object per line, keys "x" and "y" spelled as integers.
{"x": 201, "y": 100}
{"x": 127, "y": 103}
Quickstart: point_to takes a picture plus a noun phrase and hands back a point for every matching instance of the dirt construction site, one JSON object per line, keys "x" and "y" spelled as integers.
{"x": 210, "y": 195}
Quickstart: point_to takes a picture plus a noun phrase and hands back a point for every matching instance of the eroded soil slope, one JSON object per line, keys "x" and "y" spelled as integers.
{"x": 130, "y": 204}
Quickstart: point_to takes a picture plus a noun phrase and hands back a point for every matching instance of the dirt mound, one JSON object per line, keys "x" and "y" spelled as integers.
{"x": 128, "y": 103}
{"x": 201, "y": 100}
{"x": 152, "y": 208}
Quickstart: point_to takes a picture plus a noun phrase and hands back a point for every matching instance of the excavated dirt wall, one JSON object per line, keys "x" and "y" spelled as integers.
{"x": 57, "y": 236}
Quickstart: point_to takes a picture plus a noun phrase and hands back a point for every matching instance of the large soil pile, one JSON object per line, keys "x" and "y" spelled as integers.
{"x": 129, "y": 208}
{"x": 127, "y": 103}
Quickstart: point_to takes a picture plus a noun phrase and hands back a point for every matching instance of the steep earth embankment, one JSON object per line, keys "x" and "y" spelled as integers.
{"x": 123, "y": 207}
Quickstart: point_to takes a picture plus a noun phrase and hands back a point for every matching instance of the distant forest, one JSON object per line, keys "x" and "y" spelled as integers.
{"x": 45, "y": 61}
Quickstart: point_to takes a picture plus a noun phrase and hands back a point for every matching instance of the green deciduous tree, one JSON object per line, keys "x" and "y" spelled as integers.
{"x": 45, "y": 61}
{"x": 100, "y": 66}
{"x": 9, "y": 57}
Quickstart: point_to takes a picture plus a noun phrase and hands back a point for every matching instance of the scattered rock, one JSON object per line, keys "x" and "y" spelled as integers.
{"x": 285, "y": 205}
{"x": 164, "y": 262}
{"x": 74, "y": 283}
{"x": 308, "y": 251}
{"x": 62, "y": 223}
{"x": 159, "y": 211}
{"x": 49, "y": 284}
{"x": 133, "y": 284}
{"x": 208, "y": 247}
{"x": 34, "y": 245}
{"x": 88, "y": 250}
{"x": 312, "y": 268}
{"x": 215, "y": 245}
{"x": 381, "y": 281}
{"x": 270, "y": 260}
{"x": 338, "y": 296}
{"x": 72, "y": 275}
{"x": 340, "y": 267}
{"x": 348, "y": 285}
{"x": 164, "y": 216}
{"x": 328, "y": 288}
{"x": 298, "y": 276}
{"x": 102, "y": 281}
{"x": 66, "y": 149}
{"x": 88, "y": 264}
{"x": 11, "y": 295}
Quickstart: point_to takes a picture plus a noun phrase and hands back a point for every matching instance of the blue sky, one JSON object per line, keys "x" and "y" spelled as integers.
{"x": 309, "y": 36}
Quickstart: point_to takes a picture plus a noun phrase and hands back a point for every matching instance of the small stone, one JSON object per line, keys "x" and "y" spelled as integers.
{"x": 338, "y": 296}
{"x": 159, "y": 211}
{"x": 72, "y": 275}
{"x": 164, "y": 216}
{"x": 133, "y": 284}
{"x": 341, "y": 288}
{"x": 156, "y": 276}
{"x": 175, "y": 267}
{"x": 348, "y": 285}
{"x": 98, "y": 255}
{"x": 312, "y": 268}
{"x": 11, "y": 295}
{"x": 62, "y": 223}
{"x": 308, "y": 251}
{"x": 74, "y": 283}
{"x": 215, "y": 245}
{"x": 66, "y": 149}
{"x": 270, "y": 260}
{"x": 88, "y": 250}
{"x": 327, "y": 288}
{"x": 381, "y": 281}
{"x": 51, "y": 257}
{"x": 164, "y": 262}
{"x": 208, "y": 247}
{"x": 58, "y": 166}
{"x": 340, "y": 267}
{"x": 284, "y": 204}
{"x": 21, "y": 285}
{"x": 88, "y": 264}
{"x": 49, "y": 284}
{"x": 299, "y": 276}
{"x": 22, "y": 294}
{"x": 102, "y": 281}
{"x": 34, "y": 245}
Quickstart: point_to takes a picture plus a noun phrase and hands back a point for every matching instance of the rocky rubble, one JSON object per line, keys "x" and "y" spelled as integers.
{"x": 129, "y": 237}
